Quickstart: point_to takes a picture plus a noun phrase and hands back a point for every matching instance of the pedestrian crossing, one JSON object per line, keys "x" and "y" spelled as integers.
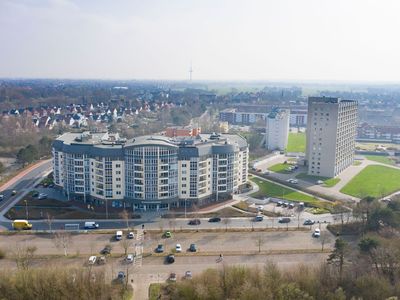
{"x": 139, "y": 248}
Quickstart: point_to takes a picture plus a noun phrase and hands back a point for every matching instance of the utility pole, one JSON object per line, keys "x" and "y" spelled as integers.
{"x": 26, "y": 209}
{"x": 190, "y": 72}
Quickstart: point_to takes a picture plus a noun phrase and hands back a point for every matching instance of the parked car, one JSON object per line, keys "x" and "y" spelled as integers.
{"x": 308, "y": 222}
{"x": 129, "y": 258}
{"x": 266, "y": 173}
{"x": 167, "y": 234}
{"x": 214, "y": 220}
{"x": 42, "y": 196}
{"x": 188, "y": 275}
{"x": 284, "y": 220}
{"x": 178, "y": 248}
{"x": 193, "y": 248}
{"x": 291, "y": 205}
{"x": 92, "y": 260}
{"x": 194, "y": 222}
{"x": 295, "y": 181}
{"x": 160, "y": 248}
{"x": 258, "y": 218}
{"x": 1, "y": 197}
{"x": 130, "y": 235}
{"x": 121, "y": 276}
{"x": 285, "y": 204}
{"x": 102, "y": 260}
{"x": 320, "y": 182}
{"x": 172, "y": 277}
{"x": 13, "y": 193}
{"x": 260, "y": 207}
{"x": 279, "y": 203}
{"x": 317, "y": 233}
{"x": 35, "y": 194}
{"x": 170, "y": 259}
{"x": 118, "y": 235}
{"x": 106, "y": 250}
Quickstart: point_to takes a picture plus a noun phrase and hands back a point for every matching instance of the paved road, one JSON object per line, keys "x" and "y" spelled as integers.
{"x": 22, "y": 183}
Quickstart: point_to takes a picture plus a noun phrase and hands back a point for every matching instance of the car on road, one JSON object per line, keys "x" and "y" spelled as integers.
{"x": 172, "y": 277}
{"x": 13, "y": 193}
{"x": 178, "y": 248}
{"x": 121, "y": 276}
{"x": 308, "y": 222}
{"x": 35, "y": 194}
{"x": 260, "y": 207}
{"x": 167, "y": 234}
{"x": 214, "y": 220}
{"x": 317, "y": 233}
{"x": 92, "y": 260}
{"x": 130, "y": 235}
{"x": 258, "y": 218}
{"x": 266, "y": 173}
{"x": 129, "y": 258}
{"x": 1, "y": 197}
{"x": 194, "y": 222}
{"x": 188, "y": 275}
{"x": 320, "y": 182}
{"x": 170, "y": 259}
{"x": 106, "y": 250}
{"x": 284, "y": 220}
{"x": 193, "y": 248}
{"x": 91, "y": 225}
{"x": 42, "y": 196}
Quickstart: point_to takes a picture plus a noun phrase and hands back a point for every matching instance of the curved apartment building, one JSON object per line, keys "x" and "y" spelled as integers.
{"x": 150, "y": 172}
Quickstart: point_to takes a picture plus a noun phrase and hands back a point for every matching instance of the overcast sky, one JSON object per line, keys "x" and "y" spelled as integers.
{"x": 357, "y": 40}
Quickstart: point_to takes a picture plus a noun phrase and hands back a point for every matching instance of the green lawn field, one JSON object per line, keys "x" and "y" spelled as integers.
{"x": 375, "y": 181}
{"x": 279, "y": 168}
{"x": 296, "y": 142}
{"x": 269, "y": 189}
{"x": 381, "y": 159}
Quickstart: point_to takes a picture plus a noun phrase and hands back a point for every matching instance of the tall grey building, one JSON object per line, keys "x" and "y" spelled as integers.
{"x": 277, "y": 129}
{"x": 331, "y": 133}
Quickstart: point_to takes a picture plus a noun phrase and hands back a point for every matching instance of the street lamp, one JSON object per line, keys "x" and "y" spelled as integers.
{"x": 26, "y": 209}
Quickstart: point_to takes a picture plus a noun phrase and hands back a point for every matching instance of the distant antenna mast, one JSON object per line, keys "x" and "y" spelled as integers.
{"x": 190, "y": 72}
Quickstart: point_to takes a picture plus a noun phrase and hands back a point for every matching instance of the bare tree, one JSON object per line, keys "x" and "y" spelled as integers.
{"x": 63, "y": 239}
{"x": 259, "y": 242}
{"x": 172, "y": 221}
{"x": 325, "y": 238}
{"x": 49, "y": 220}
{"x": 126, "y": 243}
{"x": 125, "y": 216}
{"x": 24, "y": 255}
{"x": 226, "y": 221}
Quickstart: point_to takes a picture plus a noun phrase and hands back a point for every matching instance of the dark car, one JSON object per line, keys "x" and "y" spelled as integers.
{"x": 35, "y": 194}
{"x": 106, "y": 250}
{"x": 170, "y": 259}
{"x": 258, "y": 218}
{"x": 284, "y": 220}
{"x": 308, "y": 222}
{"x": 192, "y": 248}
{"x": 160, "y": 248}
{"x": 121, "y": 276}
{"x": 214, "y": 220}
{"x": 194, "y": 222}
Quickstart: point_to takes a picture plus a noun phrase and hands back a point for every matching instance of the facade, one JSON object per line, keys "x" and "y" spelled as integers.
{"x": 182, "y": 131}
{"x": 331, "y": 134}
{"x": 150, "y": 172}
{"x": 377, "y": 133}
{"x": 277, "y": 129}
{"x": 233, "y": 116}
{"x": 298, "y": 117}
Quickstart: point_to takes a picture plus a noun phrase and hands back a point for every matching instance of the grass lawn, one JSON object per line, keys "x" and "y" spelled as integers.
{"x": 356, "y": 163}
{"x": 375, "y": 181}
{"x": 296, "y": 142}
{"x": 381, "y": 159}
{"x": 328, "y": 182}
{"x": 279, "y": 168}
{"x": 269, "y": 189}
{"x": 154, "y": 291}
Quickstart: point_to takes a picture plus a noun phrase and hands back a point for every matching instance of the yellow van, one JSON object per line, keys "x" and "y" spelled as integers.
{"x": 21, "y": 225}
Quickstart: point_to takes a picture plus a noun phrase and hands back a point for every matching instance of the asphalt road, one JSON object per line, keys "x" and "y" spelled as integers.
{"x": 23, "y": 183}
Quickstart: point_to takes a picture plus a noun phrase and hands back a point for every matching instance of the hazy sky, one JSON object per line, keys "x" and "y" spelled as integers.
{"x": 153, "y": 39}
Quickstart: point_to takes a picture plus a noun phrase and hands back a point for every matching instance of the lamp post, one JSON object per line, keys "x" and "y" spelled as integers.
{"x": 26, "y": 209}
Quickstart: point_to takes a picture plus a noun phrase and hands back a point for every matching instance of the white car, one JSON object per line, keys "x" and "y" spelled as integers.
{"x": 92, "y": 260}
{"x": 42, "y": 196}
{"x": 129, "y": 258}
{"x": 320, "y": 182}
{"x": 317, "y": 233}
{"x": 295, "y": 181}
{"x": 131, "y": 235}
{"x": 178, "y": 248}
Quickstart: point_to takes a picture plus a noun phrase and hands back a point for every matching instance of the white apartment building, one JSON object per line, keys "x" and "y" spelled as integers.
{"x": 150, "y": 172}
{"x": 331, "y": 134}
{"x": 277, "y": 131}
